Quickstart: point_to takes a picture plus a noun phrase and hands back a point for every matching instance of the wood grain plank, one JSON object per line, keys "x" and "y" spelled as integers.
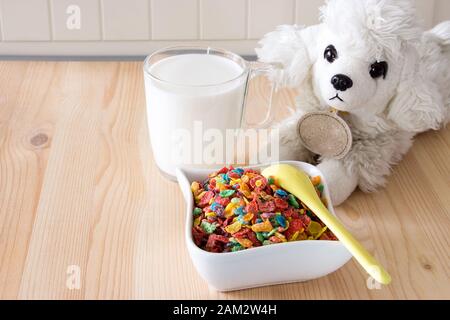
{"x": 60, "y": 236}
{"x": 121, "y": 195}
{"x": 26, "y": 129}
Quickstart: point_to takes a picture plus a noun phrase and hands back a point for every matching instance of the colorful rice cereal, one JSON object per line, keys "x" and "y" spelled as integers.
{"x": 238, "y": 209}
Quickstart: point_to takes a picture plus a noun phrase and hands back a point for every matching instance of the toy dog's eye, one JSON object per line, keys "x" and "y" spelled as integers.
{"x": 330, "y": 54}
{"x": 379, "y": 69}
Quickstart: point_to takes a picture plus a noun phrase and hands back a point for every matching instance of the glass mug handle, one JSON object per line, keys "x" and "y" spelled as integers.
{"x": 258, "y": 69}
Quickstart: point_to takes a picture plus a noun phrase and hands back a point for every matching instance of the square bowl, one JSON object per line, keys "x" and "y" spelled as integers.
{"x": 263, "y": 266}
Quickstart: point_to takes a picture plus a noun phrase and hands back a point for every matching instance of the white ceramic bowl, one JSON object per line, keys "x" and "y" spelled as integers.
{"x": 262, "y": 266}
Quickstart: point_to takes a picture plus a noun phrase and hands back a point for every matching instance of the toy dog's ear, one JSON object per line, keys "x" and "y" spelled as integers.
{"x": 294, "y": 49}
{"x": 418, "y": 105}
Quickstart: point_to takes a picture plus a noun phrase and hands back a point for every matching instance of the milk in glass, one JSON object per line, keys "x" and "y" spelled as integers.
{"x": 184, "y": 89}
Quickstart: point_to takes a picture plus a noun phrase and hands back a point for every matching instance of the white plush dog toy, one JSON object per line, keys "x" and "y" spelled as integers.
{"x": 371, "y": 60}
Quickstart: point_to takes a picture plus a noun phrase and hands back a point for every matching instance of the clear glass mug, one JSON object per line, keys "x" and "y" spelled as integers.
{"x": 182, "y": 115}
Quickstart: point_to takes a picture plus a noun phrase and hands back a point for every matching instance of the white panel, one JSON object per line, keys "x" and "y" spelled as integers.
{"x": 115, "y": 48}
{"x": 307, "y": 11}
{"x": 265, "y": 15}
{"x": 425, "y": 11}
{"x": 89, "y": 28}
{"x": 25, "y": 20}
{"x": 442, "y": 11}
{"x": 125, "y": 20}
{"x": 223, "y": 19}
{"x": 174, "y": 19}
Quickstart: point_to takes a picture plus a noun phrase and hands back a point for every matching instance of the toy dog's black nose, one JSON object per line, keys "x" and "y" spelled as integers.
{"x": 341, "y": 82}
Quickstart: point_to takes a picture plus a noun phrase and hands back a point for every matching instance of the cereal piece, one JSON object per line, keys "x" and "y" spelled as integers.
{"x": 267, "y": 215}
{"x": 294, "y": 237}
{"x": 328, "y": 236}
{"x": 280, "y": 236}
{"x": 216, "y": 242}
{"x": 293, "y": 202}
{"x": 235, "y": 182}
{"x": 205, "y": 199}
{"x": 197, "y": 211}
{"x": 314, "y": 228}
{"x": 197, "y": 221}
{"x": 260, "y": 237}
{"x": 233, "y": 228}
{"x": 306, "y": 220}
{"x": 271, "y": 233}
{"x": 258, "y": 182}
{"x": 265, "y": 226}
{"x": 296, "y": 225}
{"x": 198, "y": 235}
{"x": 243, "y": 233}
{"x": 302, "y": 237}
{"x": 248, "y": 217}
{"x": 266, "y": 206}
{"x": 235, "y": 201}
{"x": 211, "y": 214}
{"x": 321, "y": 188}
{"x": 223, "y": 170}
{"x": 240, "y": 211}
{"x": 281, "y": 220}
{"x": 281, "y": 193}
{"x": 220, "y": 186}
{"x": 229, "y": 210}
{"x": 209, "y": 228}
{"x": 280, "y": 203}
{"x": 252, "y": 207}
{"x": 237, "y": 247}
{"x": 195, "y": 187}
{"x": 222, "y": 201}
{"x": 254, "y": 239}
{"x": 243, "y": 187}
{"x": 199, "y": 196}
{"x": 321, "y": 233}
{"x": 234, "y": 175}
{"x": 291, "y": 213}
{"x": 316, "y": 180}
{"x": 246, "y": 243}
{"x": 227, "y": 193}
{"x": 215, "y": 207}
{"x": 274, "y": 239}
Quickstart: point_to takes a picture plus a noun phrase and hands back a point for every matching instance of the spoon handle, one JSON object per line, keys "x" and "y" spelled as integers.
{"x": 367, "y": 261}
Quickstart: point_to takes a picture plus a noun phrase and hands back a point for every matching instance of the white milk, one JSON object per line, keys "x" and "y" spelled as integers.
{"x": 194, "y": 87}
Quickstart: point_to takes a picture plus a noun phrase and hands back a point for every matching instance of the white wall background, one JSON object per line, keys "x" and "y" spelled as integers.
{"x": 138, "y": 27}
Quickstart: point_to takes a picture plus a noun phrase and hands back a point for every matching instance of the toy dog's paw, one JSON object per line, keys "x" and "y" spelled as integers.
{"x": 340, "y": 182}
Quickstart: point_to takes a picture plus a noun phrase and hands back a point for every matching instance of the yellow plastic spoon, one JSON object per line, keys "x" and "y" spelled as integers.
{"x": 299, "y": 184}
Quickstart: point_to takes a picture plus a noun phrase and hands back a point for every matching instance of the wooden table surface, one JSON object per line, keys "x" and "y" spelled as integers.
{"x": 78, "y": 187}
